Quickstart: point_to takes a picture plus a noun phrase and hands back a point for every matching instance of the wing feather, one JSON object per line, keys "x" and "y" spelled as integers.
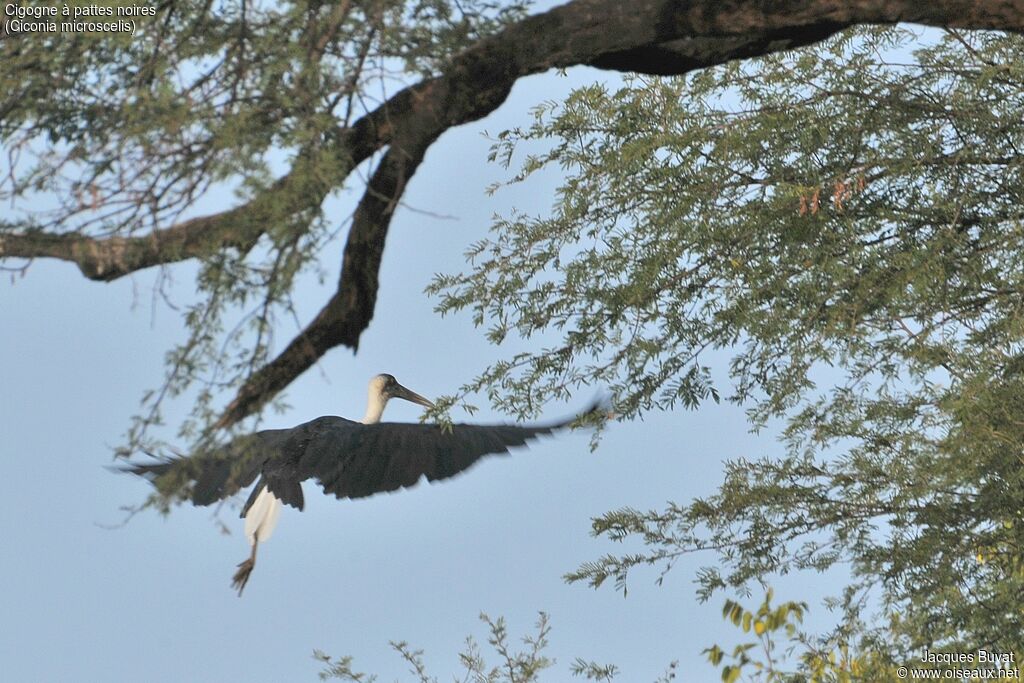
{"x": 388, "y": 456}
{"x": 214, "y": 474}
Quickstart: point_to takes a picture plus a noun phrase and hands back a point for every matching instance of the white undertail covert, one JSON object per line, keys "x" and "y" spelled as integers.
{"x": 261, "y": 518}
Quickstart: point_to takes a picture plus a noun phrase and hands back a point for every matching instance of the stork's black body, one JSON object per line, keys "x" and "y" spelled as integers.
{"x": 347, "y": 459}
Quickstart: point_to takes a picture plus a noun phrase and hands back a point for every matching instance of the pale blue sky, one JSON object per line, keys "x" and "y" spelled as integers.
{"x": 151, "y": 601}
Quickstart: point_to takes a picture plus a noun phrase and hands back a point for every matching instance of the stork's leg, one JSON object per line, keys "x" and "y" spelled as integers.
{"x": 245, "y": 568}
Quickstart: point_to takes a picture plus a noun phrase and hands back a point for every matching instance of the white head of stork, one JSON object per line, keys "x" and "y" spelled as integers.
{"x": 382, "y": 389}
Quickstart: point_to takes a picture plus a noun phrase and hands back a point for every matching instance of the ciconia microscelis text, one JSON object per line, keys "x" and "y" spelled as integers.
{"x": 348, "y": 459}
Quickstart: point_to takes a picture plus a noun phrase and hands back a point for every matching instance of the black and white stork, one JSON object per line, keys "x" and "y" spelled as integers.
{"x": 348, "y": 459}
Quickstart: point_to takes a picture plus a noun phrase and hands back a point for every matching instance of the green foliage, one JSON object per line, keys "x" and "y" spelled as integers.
{"x": 846, "y": 223}
{"x": 340, "y": 669}
{"x": 592, "y": 671}
{"x": 781, "y": 654}
{"x": 523, "y": 666}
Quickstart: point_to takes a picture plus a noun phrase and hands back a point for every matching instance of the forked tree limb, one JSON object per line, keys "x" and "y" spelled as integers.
{"x": 348, "y": 312}
{"x": 109, "y": 258}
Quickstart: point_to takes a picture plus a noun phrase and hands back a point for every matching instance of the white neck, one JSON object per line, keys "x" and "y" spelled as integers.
{"x": 374, "y": 408}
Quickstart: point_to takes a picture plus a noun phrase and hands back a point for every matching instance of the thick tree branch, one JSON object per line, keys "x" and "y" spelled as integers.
{"x": 109, "y": 258}
{"x": 350, "y": 309}
{"x": 421, "y": 115}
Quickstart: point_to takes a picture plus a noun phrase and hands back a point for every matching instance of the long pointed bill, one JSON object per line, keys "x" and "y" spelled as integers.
{"x": 401, "y": 392}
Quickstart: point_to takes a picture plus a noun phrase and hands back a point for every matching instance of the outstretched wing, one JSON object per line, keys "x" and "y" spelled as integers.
{"x": 353, "y": 460}
{"x": 348, "y": 459}
{"x": 216, "y": 474}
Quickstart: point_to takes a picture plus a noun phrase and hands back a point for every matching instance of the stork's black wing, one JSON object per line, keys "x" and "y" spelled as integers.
{"x": 353, "y": 460}
{"x": 216, "y": 474}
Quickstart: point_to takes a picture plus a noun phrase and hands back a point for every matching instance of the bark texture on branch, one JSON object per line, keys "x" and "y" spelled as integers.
{"x": 649, "y": 36}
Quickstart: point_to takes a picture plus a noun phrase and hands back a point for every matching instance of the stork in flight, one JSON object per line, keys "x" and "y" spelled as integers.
{"x": 348, "y": 459}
